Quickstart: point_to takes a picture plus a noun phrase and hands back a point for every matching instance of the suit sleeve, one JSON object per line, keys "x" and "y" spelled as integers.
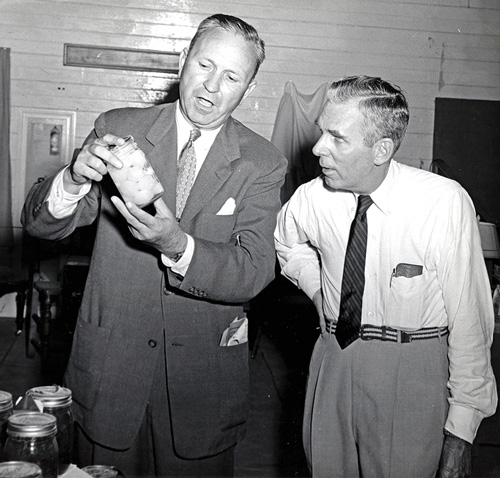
{"x": 238, "y": 270}
{"x": 39, "y": 222}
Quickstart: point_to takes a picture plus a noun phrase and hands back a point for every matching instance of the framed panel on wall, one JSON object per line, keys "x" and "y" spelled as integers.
{"x": 46, "y": 143}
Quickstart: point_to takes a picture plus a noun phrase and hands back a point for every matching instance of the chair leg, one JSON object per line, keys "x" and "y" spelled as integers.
{"x": 20, "y": 303}
{"x": 27, "y": 324}
{"x": 42, "y": 345}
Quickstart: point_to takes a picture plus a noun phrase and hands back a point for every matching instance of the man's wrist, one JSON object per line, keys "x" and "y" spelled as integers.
{"x": 69, "y": 184}
{"x": 178, "y": 252}
{"x": 176, "y": 257}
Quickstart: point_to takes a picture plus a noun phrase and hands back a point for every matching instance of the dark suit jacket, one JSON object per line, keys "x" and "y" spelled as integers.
{"x": 130, "y": 298}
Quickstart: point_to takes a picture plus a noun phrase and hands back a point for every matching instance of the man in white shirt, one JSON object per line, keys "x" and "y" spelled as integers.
{"x": 156, "y": 391}
{"x": 407, "y": 392}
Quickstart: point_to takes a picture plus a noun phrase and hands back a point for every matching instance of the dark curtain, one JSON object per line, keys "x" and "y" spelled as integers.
{"x": 6, "y": 235}
{"x": 295, "y": 133}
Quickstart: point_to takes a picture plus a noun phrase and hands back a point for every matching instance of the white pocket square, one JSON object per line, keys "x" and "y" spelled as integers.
{"x": 228, "y": 208}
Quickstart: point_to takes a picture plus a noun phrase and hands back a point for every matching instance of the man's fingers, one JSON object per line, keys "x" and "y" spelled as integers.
{"x": 124, "y": 211}
{"x": 162, "y": 209}
{"x": 135, "y": 216}
{"x": 104, "y": 154}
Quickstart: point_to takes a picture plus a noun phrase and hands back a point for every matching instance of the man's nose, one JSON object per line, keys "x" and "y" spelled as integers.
{"x": 318, "y": 148}
{"x": 212, "y": 83}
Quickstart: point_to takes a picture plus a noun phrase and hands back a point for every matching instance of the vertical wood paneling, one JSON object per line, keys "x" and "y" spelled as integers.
{"x": 431, "y": 48}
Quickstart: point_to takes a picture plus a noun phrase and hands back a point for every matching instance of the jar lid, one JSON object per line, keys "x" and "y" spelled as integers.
{"x": 129, "y": 144}
{"x": 5, "y": 401}
{"x": 51, "y": 395}
{"x": 19, "y": 469}
{"x": 31, "y": 424}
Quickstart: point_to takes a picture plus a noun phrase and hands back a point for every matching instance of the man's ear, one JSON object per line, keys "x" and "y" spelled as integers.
{"x": 383, "y": 151}
{"x": 250, "y": 88}
{"x": 182, "y": 59}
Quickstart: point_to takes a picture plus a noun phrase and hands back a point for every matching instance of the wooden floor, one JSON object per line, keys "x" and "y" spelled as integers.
{"x": 272, "y": 447}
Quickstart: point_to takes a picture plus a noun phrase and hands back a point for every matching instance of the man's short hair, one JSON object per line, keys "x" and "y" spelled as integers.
{"x": 382, "y": 103}
{"x": 238, "y": 27}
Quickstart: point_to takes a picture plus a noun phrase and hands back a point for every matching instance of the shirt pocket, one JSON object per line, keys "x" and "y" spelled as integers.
{"x": 407, "y": 299}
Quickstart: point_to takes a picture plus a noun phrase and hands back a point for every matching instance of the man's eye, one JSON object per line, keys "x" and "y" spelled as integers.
{"x": 204, "y": 65}
{"x": 232, "y": 79}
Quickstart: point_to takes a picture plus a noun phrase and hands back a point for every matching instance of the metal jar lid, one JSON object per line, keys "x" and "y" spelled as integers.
{"x": 31, "y": 424}
{"x": 51, "y": 396}
{"x": 5, "y": 401}
{"x": 129, "y": 145}
{"x": 19, "y": 469}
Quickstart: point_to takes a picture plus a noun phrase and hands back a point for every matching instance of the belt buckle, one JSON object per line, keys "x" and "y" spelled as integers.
{"x": 403, "y": 337}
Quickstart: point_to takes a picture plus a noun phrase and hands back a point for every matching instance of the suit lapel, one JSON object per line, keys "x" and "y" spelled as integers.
{"x": 163, "y": 155}
{"x": 214, "y": 171}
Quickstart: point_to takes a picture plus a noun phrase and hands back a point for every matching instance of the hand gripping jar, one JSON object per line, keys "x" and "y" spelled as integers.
{"x": 136, "y": 180}
{"x": 31, "y": 437}
{"x": 5, "y": 413}
{"x": 19, "y": 469}
{"x": 57, "y": 401}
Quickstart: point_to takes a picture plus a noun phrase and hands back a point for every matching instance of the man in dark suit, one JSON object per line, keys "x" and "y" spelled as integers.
{"x": 154, "y": 391}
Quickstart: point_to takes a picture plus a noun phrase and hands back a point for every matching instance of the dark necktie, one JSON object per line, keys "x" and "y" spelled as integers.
{"x": 186, "y": 170}
{"x": 353, "y": 278}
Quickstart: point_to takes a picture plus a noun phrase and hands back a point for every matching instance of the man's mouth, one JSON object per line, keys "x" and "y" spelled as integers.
{"x": 204, "y": 103}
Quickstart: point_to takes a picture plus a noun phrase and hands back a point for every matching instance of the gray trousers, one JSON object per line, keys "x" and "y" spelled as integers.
{"x": 376, "y": 409}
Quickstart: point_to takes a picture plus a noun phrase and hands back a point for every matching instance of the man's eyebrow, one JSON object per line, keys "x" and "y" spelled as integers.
{"x": 336, "y": 133}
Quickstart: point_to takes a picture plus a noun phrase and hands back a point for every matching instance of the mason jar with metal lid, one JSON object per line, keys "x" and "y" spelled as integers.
{"x": 57, "y": 401}
{"x": 5, "y": 413}
{"x": 19, "y": 469}
{"x": 136, "y": 180}
{"x": 31, "y": 437}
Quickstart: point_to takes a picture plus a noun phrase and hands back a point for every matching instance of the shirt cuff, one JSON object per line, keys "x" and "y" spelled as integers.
{"x": 463, "y": 422}
{"x": 62, "y": 203}
{"x": 182, "y": 265}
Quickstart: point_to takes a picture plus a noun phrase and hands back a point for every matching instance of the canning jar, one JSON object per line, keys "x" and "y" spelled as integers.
{"x": 101, "y": 471}
{"x": 136, "y": 180}
{"x": 19, "y": 469}
{"x": 5, "y": 413}
{"x": 56, "y": 401}
{"x": 31, "y": 437}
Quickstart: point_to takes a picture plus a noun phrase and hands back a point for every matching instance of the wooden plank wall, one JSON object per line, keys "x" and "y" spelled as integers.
{"x": 431, "y": 48}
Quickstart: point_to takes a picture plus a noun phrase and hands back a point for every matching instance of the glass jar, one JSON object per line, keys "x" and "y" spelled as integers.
{"x": 100, "y": 471}
{"x": 136, "y": 180}
{"x": 56, "y": 401}
{"x": 19, "y": 469}
{"x": 5, "y": 413}
{"x": 31, "y": 437}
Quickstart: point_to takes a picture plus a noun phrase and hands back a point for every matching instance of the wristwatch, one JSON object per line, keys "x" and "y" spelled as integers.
{"x": 177, "y": 257}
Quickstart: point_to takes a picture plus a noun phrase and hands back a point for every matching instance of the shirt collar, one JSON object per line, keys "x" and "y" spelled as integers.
{"x": 184, "y": 128}
{"x": 381, "y": 195}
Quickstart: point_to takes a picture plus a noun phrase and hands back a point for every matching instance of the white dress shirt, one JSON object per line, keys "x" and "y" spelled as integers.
{"x": 62, "y": 204}
{"x": 426, "y": 221}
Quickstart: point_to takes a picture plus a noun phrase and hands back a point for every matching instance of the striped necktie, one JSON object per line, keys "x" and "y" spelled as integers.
{"x": 353, "y": 278}
{"x": 186, "y": 169}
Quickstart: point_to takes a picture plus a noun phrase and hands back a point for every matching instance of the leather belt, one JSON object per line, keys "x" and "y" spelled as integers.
{"x": 389, "y": 334}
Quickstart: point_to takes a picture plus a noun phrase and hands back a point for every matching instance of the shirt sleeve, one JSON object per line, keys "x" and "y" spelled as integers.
{"x": 62, "y": 204}
{"x": 181, "y": 266}
{"x": 299, "y": 260}
{"x": 467, "y": 295}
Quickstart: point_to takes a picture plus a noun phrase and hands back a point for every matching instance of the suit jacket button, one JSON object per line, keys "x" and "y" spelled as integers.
{"x": 152, "y": 343}
{"x": 166, "y": 291}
